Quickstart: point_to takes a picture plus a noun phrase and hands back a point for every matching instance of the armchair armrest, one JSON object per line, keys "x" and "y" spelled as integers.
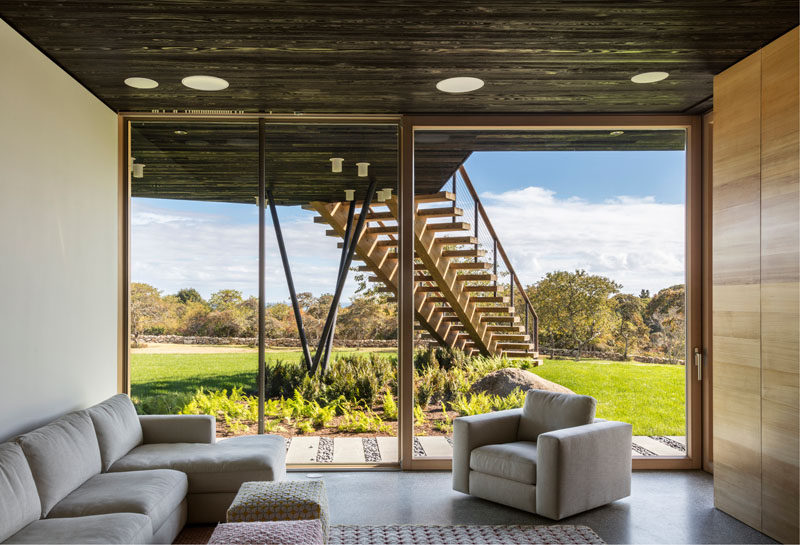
{"x": 178, "y": 428}
{"x": 582, "y": 467}
{"x": 471, "y": 432}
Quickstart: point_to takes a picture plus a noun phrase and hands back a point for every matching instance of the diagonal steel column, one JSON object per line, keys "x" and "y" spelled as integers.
{"x": 327, "y": 330}
{"x": 348, "y": 241}
{"x": 289, "y": 281}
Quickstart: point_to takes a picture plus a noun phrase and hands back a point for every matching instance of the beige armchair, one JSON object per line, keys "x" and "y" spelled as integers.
{"x": 551, "y": 457}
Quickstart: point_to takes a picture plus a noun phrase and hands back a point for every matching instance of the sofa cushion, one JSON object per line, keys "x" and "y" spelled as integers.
{"x": 154, "y": 493}
{"x": 514, "y": 461}
{"x": 218, "y": 467}
{"x": 117, "y": 427}
{"x": 19, "y": 500}
{"x": 116, "y": 528}
{"x": 63, "y": 455}
{"x": 547, "y": 411}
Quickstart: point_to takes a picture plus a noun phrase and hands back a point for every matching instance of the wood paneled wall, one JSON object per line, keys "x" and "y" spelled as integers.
{"x": 756, "y": 295}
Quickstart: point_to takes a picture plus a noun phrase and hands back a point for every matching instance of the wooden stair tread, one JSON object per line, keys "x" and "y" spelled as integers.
{"x": 509, "y": 310}
{"x": 450, "y": 211}
{"x": 488, "y": 299}
{"x": 441, "y": 196}
{"x": 447, "y": 226}
{"x": 471, "y": 252}
{"x": 477, "y": 277}
{"x": 455, "y": 240}
{"x": 470, "y": 266}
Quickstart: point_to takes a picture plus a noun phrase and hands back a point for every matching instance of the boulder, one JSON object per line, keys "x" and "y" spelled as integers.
{"x": 503, "y": 381}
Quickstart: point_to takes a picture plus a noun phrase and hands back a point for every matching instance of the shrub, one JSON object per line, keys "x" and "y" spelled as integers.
{"x": 389, "y": 407}
{"x": 363, "y": 422}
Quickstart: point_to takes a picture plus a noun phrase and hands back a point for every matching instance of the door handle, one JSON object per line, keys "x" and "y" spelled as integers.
{"x": 698, "y": 362}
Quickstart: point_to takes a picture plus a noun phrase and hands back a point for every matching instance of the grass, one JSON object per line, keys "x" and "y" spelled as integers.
{"x": 649, "y": 396}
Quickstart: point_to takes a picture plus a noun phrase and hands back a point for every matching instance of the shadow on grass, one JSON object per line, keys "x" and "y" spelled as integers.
{"x": 168, "y": 396}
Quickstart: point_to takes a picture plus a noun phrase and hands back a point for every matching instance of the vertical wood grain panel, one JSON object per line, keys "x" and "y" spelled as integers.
{"x": 736, "y": 292}
{"x": 780, "y": 296}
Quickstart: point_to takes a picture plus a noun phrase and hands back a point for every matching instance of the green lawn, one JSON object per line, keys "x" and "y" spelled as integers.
{"x": 154, "y": 374}
{"x": 651, "y": 397}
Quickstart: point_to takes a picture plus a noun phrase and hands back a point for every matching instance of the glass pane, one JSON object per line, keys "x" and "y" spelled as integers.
{"x": 194, "y": 271}
{"x": 559, "y": 265}
{"x": 342, "y": 408}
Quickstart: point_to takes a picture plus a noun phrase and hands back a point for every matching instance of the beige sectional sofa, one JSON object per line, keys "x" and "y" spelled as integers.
{"x": 107, "y": 475}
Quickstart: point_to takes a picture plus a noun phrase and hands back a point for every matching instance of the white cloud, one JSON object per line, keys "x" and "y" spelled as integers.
{"x": 634, "y": 241}
{"x": 173, "y": 250}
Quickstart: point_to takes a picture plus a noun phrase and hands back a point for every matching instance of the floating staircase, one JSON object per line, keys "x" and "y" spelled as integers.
{"x": 457, "y": 300}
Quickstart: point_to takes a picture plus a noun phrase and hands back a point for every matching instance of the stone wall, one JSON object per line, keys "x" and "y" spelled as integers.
{"x": 278, "y": 343}
{"x": 563, "y": 354}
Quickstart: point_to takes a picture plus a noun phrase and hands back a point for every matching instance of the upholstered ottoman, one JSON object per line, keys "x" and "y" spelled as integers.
{"x": 281, "y": 532}
{"x": 281, "y": 500}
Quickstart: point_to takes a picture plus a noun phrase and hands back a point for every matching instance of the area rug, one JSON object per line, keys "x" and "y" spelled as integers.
{"x": 428, "y": 535}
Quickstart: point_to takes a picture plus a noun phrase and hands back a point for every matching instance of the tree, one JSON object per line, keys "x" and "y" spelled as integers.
{"x": 367, "y": 318}
{"x": 225, "y": 299}
{"x": 573, "y": 308}
{"x": 665, "y": 314}
{"x": 189, "y": 295}
{"x": 147, "y": 309}
{"x": 630, "y": 331}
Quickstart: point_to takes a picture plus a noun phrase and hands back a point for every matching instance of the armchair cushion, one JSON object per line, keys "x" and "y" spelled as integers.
{"x": 548, "y": 411}
{"x": 117, "y": 426}
{"x": 515, "y": 461}
{"x": 471, "y": 432}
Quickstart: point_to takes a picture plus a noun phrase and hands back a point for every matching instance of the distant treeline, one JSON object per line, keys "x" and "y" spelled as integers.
{"x": 577, "y": 311}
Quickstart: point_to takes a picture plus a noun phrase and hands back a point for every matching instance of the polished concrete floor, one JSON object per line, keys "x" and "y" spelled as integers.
{"x": 664, "y": 506}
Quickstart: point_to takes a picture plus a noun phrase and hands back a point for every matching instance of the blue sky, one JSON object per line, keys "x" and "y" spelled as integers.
{"x": 619, "y": 214}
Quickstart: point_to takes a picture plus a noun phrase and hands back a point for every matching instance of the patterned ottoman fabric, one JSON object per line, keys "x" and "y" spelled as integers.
{"x": 288, "y": 532}
{"x": 281, "y": 500}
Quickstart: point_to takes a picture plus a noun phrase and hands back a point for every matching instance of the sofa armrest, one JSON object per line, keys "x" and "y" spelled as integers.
{"x": 471, "y": 432}
{"x": 178, "y": 428}
{"x": 583, "y": 467}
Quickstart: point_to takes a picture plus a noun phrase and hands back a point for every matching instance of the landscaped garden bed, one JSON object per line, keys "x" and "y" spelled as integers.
{"x": 357, "y": 396}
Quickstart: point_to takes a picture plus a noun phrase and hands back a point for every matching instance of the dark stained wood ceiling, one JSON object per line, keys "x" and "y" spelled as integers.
{"x": 385, "y": 56}
{"x": 219, "y": 161}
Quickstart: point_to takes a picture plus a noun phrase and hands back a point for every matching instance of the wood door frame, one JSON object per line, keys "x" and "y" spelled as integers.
{"x": 695, "y": 250}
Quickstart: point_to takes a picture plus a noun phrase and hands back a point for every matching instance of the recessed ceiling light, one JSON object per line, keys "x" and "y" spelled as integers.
{"x": 181, "y": 133}
{"x": 616, "y": 133}
{"x": 459, "y": 85}
{"x": 205, "y": 83}
{"x": 141, "y": 83}
{"x": 649, "y": 77}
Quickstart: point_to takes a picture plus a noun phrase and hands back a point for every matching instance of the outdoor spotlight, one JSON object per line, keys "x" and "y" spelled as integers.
{"x": 363, "y": 169}
{"x": 138, "y": 170}
{"x": 387, "y": 193}
{"x": 349, "y": 194}
{"x": 380, "y": 196}
{"x": 336, "y": 164}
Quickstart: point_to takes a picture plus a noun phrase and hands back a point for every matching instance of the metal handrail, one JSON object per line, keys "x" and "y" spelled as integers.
{"x": 499, "y": 249}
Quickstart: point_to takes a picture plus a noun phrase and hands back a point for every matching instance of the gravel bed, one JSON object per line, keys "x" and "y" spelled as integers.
{"x": 371, "y": 451}
{"x": 418, "y": 450}
{"x": 325, "y": 450}
{"x": 640, "y": 450}
{"x": 670, "y": 442}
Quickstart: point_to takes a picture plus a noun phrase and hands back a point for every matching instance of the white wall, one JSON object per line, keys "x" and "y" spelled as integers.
{"x": 58, "y": 241}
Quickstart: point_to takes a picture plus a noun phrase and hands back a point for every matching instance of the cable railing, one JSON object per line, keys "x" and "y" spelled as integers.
{"x": 506, "y": 281}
